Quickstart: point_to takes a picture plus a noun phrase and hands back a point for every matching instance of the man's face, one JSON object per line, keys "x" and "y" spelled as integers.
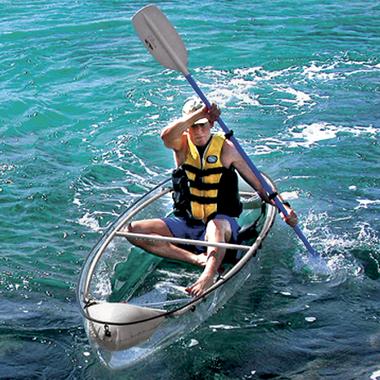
{"x": 200, "y": 133}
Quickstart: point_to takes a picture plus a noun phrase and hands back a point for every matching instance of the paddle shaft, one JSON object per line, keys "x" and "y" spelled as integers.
{"x": 175, "y": 240}
{"x": 249, "y": 162}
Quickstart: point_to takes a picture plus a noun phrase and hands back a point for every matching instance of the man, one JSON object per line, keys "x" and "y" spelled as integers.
{"x": 206, "y": 198}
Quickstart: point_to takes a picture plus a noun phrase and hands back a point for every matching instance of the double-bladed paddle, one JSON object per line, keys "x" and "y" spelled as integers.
{"x": 164, "y": 43}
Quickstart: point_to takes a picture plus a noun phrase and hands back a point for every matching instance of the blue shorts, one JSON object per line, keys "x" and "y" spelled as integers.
{"x": 180, "y": 229}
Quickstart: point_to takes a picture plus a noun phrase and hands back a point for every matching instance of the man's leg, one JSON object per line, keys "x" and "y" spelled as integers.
{"x": 163, "y": 249}
{"x": 218, "y": 230}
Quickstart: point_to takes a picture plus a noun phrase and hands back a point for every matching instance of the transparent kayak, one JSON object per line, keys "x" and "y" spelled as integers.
{"x": 135, "y": 303}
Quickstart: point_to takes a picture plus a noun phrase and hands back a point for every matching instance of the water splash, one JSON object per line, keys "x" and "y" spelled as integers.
{"x": 88, "y": 220}
{"x": 312, "y": 265}
{"x": 338, "y": 251}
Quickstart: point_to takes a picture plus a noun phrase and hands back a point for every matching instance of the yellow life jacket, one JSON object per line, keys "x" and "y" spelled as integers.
{"x": 204, "y": 175}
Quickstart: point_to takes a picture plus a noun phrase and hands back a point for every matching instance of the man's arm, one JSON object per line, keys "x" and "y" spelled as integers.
{"x": 230, "y": 156}
{"x": 174, "y": 134}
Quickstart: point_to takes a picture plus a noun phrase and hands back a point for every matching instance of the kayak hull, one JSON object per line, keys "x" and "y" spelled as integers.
{"x": 134, "y": 303}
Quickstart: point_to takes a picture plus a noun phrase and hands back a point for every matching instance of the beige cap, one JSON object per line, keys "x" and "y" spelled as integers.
{"x": 192, "y": 105}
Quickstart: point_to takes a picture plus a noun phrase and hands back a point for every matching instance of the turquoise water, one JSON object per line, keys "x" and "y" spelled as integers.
{"x": 82, "y": 104}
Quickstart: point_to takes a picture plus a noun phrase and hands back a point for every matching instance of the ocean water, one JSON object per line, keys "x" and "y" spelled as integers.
{"x": 81, "y": 107}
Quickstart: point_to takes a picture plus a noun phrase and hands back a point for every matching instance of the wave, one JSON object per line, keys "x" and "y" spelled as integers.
{"x": 306, "y": 135}
{"x": 290, "y": 86}
{"x": 310, "y": 135}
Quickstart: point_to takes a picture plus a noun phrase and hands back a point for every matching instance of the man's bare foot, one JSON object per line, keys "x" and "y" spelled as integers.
{"x": 200, "y": 286}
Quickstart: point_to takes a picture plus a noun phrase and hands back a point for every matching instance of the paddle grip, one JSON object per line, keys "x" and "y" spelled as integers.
{"x": 249, "y": 162}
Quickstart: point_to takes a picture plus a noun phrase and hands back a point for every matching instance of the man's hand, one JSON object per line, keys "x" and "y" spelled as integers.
{"x": 211, "y": 114}
{"x": 292, "y": 218}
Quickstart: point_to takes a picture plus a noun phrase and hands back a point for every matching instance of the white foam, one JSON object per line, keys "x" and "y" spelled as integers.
{"x": 253, "y": 75}
{"x": 375, "y": 375}
{"x": 239, "y": 92}
{"x": 6, "y": 167}
{"x": 242, "y": 84}
{"x": 221, "y": 327}
{"x": 339, "y": 69}
{"x": 364, "y": 203}
{"x": 301, "y": 98}
{"x": 367, "y": 234}
{"x": 336, "y": 246}
{"x": 103, "y": 288}
{"x": 248, "y": 71}
{"x": 76, "y": 200}
{"x": 94, "y": 128}
{"x": 263, "y": 149}
{"x": 88, "y": 220}
{"x": 309, "y": 134}
{"x": 193, "y": 342}
{"x": 269, "y": 145}
{"x": 289, "y": 195}
{"x": 319, "y": 72}
{"x": 244, "y": 81}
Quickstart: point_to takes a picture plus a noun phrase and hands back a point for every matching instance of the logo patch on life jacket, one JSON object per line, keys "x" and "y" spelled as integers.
{"x": 212, "y": 159}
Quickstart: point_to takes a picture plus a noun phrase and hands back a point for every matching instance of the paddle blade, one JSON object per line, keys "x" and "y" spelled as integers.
{"x": 160, "y": 38}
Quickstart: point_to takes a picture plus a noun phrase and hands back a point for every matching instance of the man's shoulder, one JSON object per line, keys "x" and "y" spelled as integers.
{"x": 228, "y": 147}
{"x": 229, "y": 154}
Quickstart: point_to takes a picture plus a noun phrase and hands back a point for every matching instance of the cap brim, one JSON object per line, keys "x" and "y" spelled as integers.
{"x": 202, "y": 121}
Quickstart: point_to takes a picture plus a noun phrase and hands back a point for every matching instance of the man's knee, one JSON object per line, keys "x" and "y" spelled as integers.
{"x": 219, "y": 226}
{"x": 149, "y": 226}
{"x": 135, "y": 227}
